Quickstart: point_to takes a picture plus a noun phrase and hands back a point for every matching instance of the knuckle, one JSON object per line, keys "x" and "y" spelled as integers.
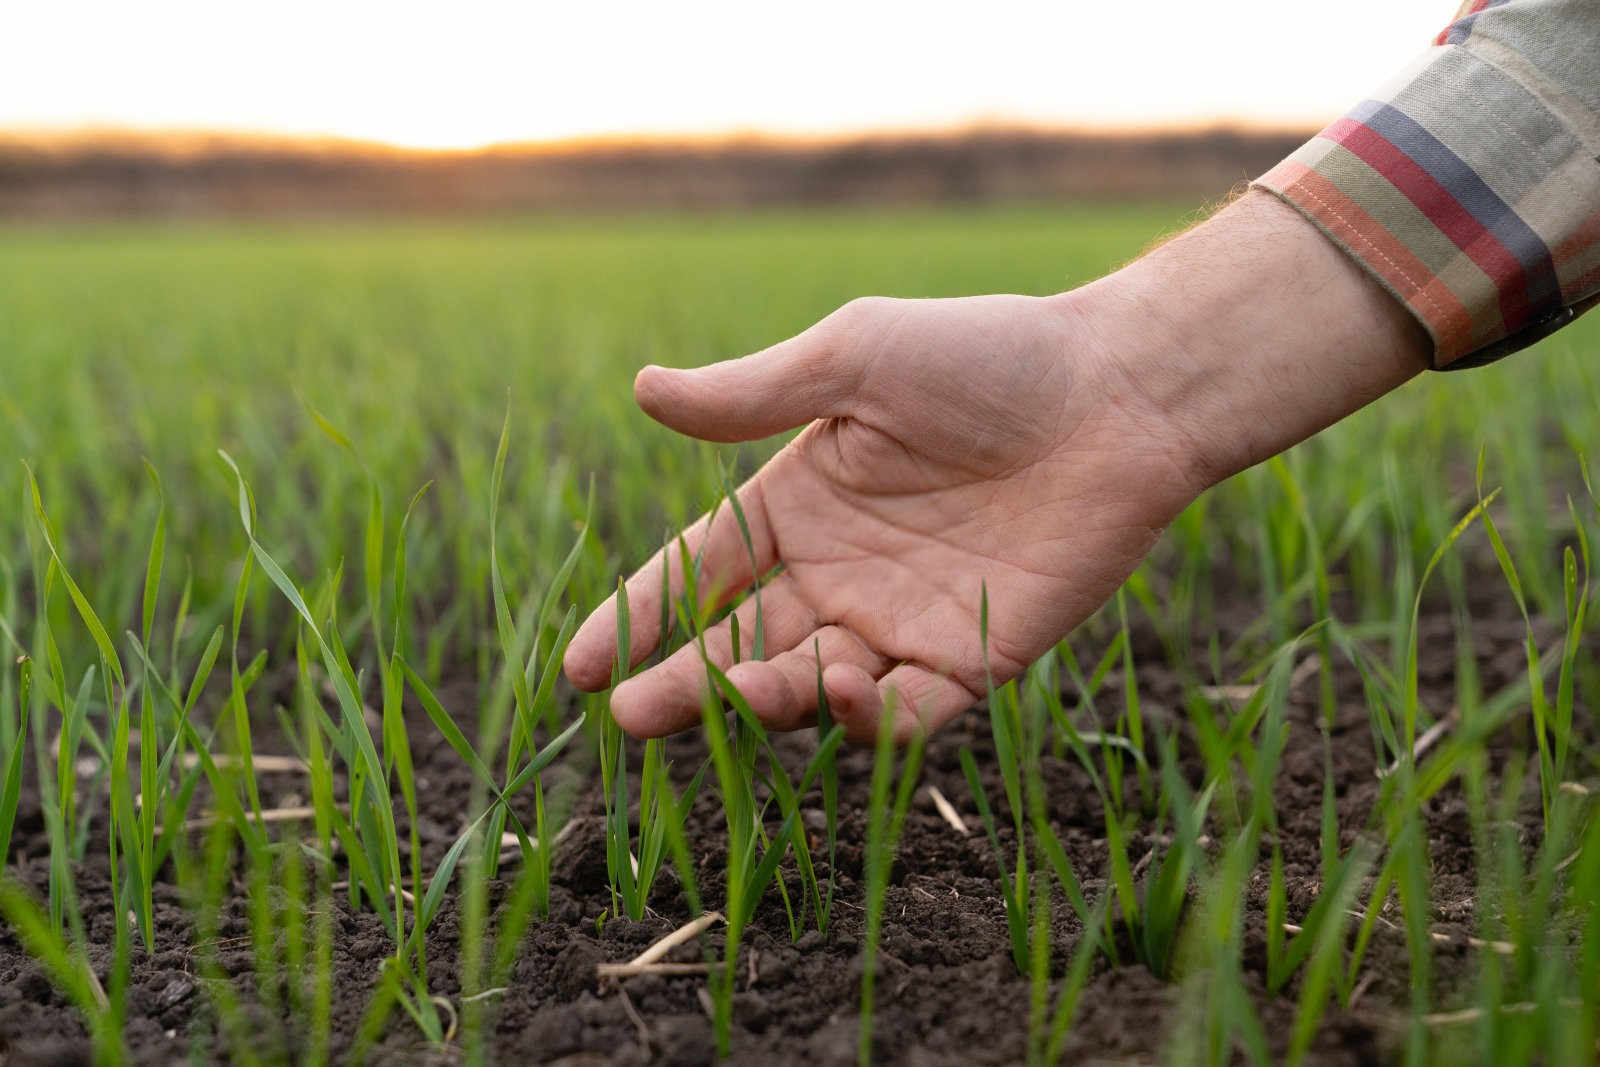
{"x": 845, "y": 340}
{"x": 860, "y": 312}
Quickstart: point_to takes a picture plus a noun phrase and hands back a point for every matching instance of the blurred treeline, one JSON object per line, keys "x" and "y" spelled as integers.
{"x": 111, "y": 175}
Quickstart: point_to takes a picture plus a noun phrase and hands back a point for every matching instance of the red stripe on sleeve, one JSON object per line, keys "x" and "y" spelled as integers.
{"x": 1442, "y": 209}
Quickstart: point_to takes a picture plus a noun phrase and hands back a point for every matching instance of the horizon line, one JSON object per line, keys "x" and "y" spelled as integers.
{"x": 181, "y": 140}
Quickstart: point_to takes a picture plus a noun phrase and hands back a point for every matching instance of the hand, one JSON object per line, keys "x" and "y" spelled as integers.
{"x": 957, "y": 444}
{"x": 1033, "y": 446}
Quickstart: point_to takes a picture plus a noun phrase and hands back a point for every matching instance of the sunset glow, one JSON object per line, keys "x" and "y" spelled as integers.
{"x": 474, "y": 73}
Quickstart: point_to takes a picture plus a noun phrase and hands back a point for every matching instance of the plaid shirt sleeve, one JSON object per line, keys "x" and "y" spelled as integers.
{"x": 1470, "y": 185}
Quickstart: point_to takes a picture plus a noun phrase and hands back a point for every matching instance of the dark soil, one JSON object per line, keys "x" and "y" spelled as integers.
{"x": 948, "y": 992}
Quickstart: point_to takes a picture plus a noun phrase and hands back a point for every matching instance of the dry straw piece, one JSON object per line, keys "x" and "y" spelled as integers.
{"x": 270, "y": 815}
{"x": 948, "y": 811}
{"x": 648, "y": 961}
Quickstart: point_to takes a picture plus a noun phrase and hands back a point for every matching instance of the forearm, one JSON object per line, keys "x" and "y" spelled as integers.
{"x": 1247, "y": 335}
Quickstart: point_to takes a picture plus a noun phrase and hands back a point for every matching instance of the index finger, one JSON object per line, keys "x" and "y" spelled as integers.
{"x": 725, "y": 569}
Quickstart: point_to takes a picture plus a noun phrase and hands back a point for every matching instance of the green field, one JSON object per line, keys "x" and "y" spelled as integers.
{"x": 125, "y": 344}
{"x": 343, "y": 367}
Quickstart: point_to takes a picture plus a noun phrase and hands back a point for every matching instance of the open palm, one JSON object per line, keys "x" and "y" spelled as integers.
{"x": 952, "y": 445}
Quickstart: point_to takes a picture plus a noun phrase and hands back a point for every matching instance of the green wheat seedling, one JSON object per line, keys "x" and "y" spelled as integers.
{"x": 204, "y": 877}
{"x": 317, "y": 989}
{"x": 1321, "y": 600}
{"x": 1319, "y": 947}
{"x": 1020, "y": 730}
{"x": 1583, "y": 904}
{"x": 1013, "y": 879}
{"x": 1552, "y": 726}
{"x": 885, "y": 819}
{"x": 1539, "y": 699}
{"x": 1462, "y": 755}
{"x": 526, "y": 775}
{"x": 1210, "y": 959}
{"x": 1321, "y": 609}
{"x": 750, "y": 737}
{"x": 658, "y": 805}
{"x": 1412, "y": 706}
{"x": 531, "y": 892}
{"x": 1117, "y": 816}
{"x": 829, "y": 778}
{"x": 749, "y": 740}
{"x": 1044, "y": 717}
{"x": 1406, "y": 786}
{"x": 1530, "y": 915}
{"x": 522, "y": 702}
{"x": 1031, "y": 825}
{"x": 530, "y": 669}
{"x": 621, "y": 870}
{"x": 1070, "y": 991}
{"x": 1160, "y": 916}
{"x": 632, "y": 873}
{"x": 753, "y": 857}
{"x": 58, "y": 783}
{"x": 68, "y": 967}
{"x": 1044, "y": 689}
{"x": 130, "y": 837}
{"x": 1131, "y": 724}
{"x": 20, "y": 706}
{"x": 369, "y": 835}
{"x": 1005, "y": 726}
{"x": 388, "y": 644}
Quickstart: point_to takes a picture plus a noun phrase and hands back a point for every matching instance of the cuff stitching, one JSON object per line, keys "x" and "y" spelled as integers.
{"x": 1419, "y": 291}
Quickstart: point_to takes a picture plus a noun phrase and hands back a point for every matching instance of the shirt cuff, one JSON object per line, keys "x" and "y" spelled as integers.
{"x": 1466, "y": 195}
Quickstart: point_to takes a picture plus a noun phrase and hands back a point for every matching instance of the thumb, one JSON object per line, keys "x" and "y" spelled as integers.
{"x": 811, "y": 376}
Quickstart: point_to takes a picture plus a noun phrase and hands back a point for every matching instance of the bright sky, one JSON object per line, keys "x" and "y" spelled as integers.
{"x": 472, "y": 72}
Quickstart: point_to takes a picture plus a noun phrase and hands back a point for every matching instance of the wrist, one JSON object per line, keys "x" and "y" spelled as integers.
{"x": 1244, "y": 336}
